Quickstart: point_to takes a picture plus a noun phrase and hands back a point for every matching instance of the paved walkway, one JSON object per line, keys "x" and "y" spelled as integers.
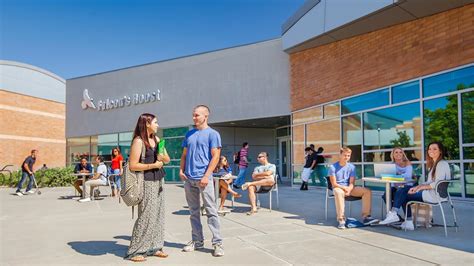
{"x": 48, "y": 230}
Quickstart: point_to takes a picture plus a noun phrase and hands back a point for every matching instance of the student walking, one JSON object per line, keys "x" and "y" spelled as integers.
{"x": 201, "y": 152}
{"x": 243, "y": 165}
{"x": 27, "y": 171}
{"x": 117, "y": 168}
{"x": 148, "y": 232}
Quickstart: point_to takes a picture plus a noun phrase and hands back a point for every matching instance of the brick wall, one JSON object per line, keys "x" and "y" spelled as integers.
{"x": 381, "y": 58}
{"x": 28, "y": 123}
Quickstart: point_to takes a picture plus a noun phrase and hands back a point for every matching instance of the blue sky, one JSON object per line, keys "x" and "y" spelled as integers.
{"x": 79, "y": 37}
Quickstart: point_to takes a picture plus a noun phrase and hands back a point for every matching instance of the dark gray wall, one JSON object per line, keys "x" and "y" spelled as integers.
{"x": 245, "y": 82}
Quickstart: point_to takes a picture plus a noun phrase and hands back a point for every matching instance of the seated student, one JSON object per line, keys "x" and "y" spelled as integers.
{"x": 403, "y": 168}
{"x": 223, "y": 169}
{"x": 438, "y": 170}
{"x": 82, "y": 167}
{"x": 342, "y": 176}
{"x": 264, "y": 176}
{"x": 99, "y": 179}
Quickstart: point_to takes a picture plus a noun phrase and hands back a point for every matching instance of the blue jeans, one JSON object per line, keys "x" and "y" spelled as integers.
{"x": 240, "y": 180}
{"x": 402, "y": 197}
{"x": 23, "y": 178}
{"x": 117, "y": 178}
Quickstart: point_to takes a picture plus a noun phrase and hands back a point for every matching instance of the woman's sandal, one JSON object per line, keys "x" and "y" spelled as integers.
{"x": 160, "y": 254}
{"x": 138, "y": 258}
{"x": 252, "y": 212}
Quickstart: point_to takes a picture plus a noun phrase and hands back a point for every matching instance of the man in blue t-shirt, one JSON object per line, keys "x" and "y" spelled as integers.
{"x": 201, "y": 152}
{"x": 27, "y": 171}
{"x": 342, "y": 175}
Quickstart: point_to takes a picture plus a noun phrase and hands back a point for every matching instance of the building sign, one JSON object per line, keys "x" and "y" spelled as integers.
{"x": 124, "y": 101}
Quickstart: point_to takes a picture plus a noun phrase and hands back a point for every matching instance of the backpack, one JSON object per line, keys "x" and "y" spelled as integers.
{"x": 237, "y": 158}
{"x": 132, "y": 184}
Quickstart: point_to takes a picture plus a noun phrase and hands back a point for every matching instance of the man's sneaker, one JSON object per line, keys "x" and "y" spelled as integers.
{"x": 218, "y": 250}
{"x": 392, "y": 217}
{"x": 19, "y": 194}
{"x": 369, "y": 220}
{"x": 193, "y": 245}
{"x": 30, "y": 191}
{"x": 85, "y": 200}
{"x": 342, "y": 225}
{"x": 408, "y": 225}
{"x": 236, "y": 187}
{"x": 245, "y": 186}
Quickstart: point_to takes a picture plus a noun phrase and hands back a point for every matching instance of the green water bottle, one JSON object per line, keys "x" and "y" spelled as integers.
{"x": 161, "y": 147}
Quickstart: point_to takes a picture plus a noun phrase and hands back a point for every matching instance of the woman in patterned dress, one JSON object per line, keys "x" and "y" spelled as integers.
{"x": 148, "y": 232}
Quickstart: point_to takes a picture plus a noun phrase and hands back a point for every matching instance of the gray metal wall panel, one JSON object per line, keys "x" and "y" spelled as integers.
{"x": 239, "y": 83}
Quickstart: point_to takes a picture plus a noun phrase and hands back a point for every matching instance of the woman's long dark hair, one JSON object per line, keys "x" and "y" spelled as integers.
{"x": 430, "y": 163}
{"x": 221, "y": 164}
{"x": 119, "y": 152}
{"x": 140, "y": 129}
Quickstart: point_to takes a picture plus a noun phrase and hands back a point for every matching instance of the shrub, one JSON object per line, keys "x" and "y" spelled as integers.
{"x": 54, "y": 177}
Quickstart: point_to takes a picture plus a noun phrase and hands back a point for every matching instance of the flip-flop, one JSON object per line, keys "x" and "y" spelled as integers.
{"x": 138, "y": 258}
{"x": 251, "y": 213}
{"x": 160, "y": 254}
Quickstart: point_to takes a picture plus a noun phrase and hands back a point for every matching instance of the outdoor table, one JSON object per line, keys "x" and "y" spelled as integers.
{"x": 83, "y": 176}
{"x": 388, "y": 191}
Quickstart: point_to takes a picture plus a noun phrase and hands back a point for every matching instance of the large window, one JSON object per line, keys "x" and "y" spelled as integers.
{"x": 406, "y": 92}
{"x": 449, "y": 82}
{"x": 352, "y": 135}
{"x": 441, "y": 123}
{"x": 365, "y": 101}
{"x": 398, "y": 126}
{"x": 468, "y": 117}
{"x": 77, "y": 148}
{"x": 105, "y": 144}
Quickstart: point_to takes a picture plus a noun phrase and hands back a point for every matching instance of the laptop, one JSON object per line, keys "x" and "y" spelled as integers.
{"x": 384, "y": 169}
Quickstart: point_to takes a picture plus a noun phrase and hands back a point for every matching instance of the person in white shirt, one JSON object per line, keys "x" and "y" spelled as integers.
{"x": 438, "y": 170}
{"x": 99, "y": 179}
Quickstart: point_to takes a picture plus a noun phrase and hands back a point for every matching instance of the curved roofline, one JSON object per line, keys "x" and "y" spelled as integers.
{"x": 176, "y": 58}
{"x": 31, "y": 67}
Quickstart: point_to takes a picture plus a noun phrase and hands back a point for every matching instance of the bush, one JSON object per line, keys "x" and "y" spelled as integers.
{"x": 54, "y": 177}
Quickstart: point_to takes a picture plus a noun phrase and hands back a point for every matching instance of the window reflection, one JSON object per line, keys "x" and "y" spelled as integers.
{"x": 326, "y": 134}
{"x": 469, "y": 153}
{"x": 105, "y": 144}
{"x": 384, "y": 156}
{"x": 366, "y": 101}
{"x": 469, "y": 179}
{"x": 352, "y": 135}
{"x": 331, "y": 110}
{"x": 298, "y": 144}
{"x": 455, "y": 186}
{"x": 312, "y": 114}
{"x": 441, "y": 123}
{"x": 406, "y": 92}
{"x": 125, "y": 141}
{"x": 448, "y": 82}
{"x": 393, "y": 127}
{"x": 467, "y": 100}
{"x": 77, "y": 148}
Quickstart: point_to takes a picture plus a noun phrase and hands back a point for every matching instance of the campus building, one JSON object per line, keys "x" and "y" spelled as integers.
{"x": 372, "y": 75}
{"x": 246, "y": 88}
{"x": 32, "y": 115}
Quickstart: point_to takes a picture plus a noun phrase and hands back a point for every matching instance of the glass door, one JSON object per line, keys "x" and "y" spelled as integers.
{"x": 284, "y": 151}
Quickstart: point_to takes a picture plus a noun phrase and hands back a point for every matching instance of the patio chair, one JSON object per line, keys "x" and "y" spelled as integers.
{"x": 108, "y": 183}
{"x": 330, "y": 195}
{"x": 270, "y": 192}
{"x": 442, "y": 189}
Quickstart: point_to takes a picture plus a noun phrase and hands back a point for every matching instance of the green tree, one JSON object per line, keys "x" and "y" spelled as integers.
{"x": 402, "y": 141}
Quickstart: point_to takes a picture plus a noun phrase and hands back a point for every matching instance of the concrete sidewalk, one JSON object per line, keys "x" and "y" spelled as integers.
{"x": 49, "y": 230}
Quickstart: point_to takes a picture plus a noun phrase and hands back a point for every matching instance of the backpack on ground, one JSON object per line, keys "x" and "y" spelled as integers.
{"x": 237, "y": 157}
{"x": 132, "y": 184}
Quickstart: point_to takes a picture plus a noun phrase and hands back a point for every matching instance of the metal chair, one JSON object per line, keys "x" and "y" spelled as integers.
{"x": 442, "y": 189}
{"x": 107, "y": 184}
{"x": 270, "y": 192}
{"x": 330, "y": 195}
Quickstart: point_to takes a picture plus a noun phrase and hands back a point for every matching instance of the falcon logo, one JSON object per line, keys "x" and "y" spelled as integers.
{"x": 88, "y": 102}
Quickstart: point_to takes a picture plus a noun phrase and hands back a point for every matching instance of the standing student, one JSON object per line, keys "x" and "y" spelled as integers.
{"x": 308, "y": 167}
{"x": 27, "y": 171}
{"x": 148, "y": 231}
{"x": 243, "y": 165}
{"x": 438, "y": 170}
{"x": 117, "y": 168}
{"x": 201, "y": 152}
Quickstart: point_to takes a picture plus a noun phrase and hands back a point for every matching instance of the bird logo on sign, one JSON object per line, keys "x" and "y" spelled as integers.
{"x": 88, "y": 101}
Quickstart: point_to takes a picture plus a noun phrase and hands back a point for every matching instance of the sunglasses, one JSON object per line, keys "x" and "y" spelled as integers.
{"x": 261, "y": 156}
